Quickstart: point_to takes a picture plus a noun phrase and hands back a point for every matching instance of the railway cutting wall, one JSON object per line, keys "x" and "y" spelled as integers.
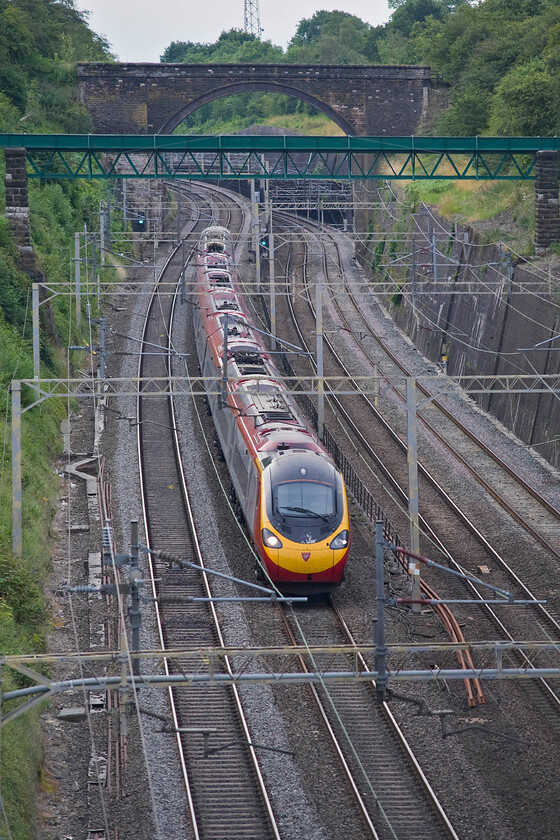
{"x": 476, "y": 315}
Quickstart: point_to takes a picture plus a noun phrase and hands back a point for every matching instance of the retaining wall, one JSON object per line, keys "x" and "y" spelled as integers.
{"x": 481, "y": 309}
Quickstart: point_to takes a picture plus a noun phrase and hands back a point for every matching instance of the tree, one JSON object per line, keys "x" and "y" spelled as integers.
{"x": 468, "y": 115}
{"x": 311, "y": 29}
{"x": 410, "y": 12}
{"x": 525, "y": 102}
{"x": 176, "y": 51}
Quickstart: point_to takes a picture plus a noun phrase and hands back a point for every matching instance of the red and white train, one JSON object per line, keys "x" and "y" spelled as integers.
{"x": 292, "y": 496}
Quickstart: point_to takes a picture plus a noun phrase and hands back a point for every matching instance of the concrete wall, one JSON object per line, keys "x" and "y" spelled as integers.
{"x": 481, "y": 333}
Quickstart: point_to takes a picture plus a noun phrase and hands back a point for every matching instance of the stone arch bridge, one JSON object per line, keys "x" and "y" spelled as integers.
{"x": 366, "y": 100}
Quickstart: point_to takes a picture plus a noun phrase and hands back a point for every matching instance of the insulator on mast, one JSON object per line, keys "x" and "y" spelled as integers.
{"x": 252, "y": 18}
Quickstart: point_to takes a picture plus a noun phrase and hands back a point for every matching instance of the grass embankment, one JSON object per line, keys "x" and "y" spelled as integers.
{"x": 316, "y": 124}
{"x": 56, "y": 212}
{"x": 301, "y": 122}
{"x": 502, "y": 211}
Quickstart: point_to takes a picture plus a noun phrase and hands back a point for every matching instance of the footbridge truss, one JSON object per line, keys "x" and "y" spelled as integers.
{"x": 225, "y": 157}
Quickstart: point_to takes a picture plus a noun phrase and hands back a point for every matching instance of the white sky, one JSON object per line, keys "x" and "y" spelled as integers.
{"x": 140, "y": 30}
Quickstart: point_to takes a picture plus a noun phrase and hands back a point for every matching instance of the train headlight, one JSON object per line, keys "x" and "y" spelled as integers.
{"x": 270, "y": 539}
{"x": 340, "y": 541}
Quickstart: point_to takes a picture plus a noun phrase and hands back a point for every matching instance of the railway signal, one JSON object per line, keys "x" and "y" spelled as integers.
{"x": 139, "y": 223}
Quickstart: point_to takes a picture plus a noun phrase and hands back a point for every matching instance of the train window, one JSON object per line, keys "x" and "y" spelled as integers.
{"x": 305, "y": 498}
{"x": 239, "y": 468}
{"x": 252, "y": 493}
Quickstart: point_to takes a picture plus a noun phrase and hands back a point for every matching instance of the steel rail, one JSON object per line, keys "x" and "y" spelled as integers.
{"x": 445, "y": 614}
{"x": 486, "y": 449}
{"x": 461, "y": 426}
{"x": 400, "y": 734}
{"x": 394, "y": 729}
{"x": 234, "y": 693}
{"x": 153, "y": 576}
{"x": 401, "y": 739}
{"x": 553, "y": 696}
{"x": 227, "y": 660}
{"x": 334, "y": 740}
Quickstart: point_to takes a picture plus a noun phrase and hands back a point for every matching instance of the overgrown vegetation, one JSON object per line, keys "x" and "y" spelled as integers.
{"x": 501, "y": 59}
{"x": 40, "y": 42}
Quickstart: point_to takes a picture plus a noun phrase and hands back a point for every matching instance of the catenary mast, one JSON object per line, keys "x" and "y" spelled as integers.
{"x": 252, "y": 18}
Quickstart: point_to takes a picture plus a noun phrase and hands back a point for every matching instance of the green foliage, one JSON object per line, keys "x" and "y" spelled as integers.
{"x": 312, "y": 30}
{"x": 502, "y": 58}
{"x": 378, "y": 252}
{"x": 19, "y": 592}
{"x": 415, "y": 11}
{"x": 21, "y": 739}
{"x": 468, "y": 114}
{"x": 329, "y": 38}
{"x": 504, "y": 210}
{"x": 235, "y": 46}
{"x": 40, "y": 42}
{"x": 526, "y": 101}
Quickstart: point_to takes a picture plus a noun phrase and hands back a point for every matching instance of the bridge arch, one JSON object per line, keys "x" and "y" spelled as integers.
{"x": 376, "y": 100}
{"x": 248, "y": 87}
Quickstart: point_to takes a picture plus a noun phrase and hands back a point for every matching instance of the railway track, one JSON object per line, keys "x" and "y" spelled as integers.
{"x": 225, "y": 774}
{"x": 407, "y": 803}
{"x": 387, "y": 797}
{"x": 393, "y": 795}
{"x": 504, "y": 575}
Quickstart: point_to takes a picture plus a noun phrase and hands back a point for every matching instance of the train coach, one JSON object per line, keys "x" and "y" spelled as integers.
{"x": 292, "y": 496}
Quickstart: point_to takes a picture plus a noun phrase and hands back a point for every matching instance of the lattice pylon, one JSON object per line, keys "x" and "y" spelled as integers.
{"x": 252, "y": 18}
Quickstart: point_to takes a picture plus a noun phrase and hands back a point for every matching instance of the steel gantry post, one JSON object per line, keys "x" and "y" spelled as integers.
{"x": 412, "y": 457}
{"x": 256, "y": 227}
{"x": 272, "y": 280}
{"x": 380, "y": 647}
{"x": 17, "y": 533}
{"x": 36, "y": 347}
{"x": 77, "y": 277}
{"x": 320, "y": 369}
{"x": 134, "y": 612}
{"x": 102, "y": 237}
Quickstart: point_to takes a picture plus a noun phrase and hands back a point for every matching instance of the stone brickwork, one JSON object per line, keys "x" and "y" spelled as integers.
{"x": 547, "y": 210}
{"x": 17, "y": 207}
{"x": 17, "y": 210}
{"x": 155, "y": 98}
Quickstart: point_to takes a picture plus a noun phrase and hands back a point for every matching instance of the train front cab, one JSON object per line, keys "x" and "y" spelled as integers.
{"x": 304, "y": 520}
